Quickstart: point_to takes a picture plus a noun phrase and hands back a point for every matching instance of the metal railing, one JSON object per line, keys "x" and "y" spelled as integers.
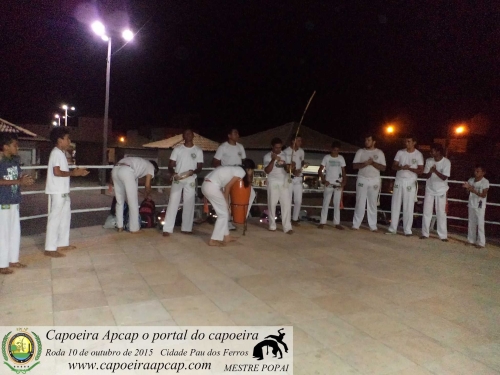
{"x": 306, "y": 191}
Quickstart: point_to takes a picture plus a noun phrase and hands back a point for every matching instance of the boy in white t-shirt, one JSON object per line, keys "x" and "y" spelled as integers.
{"x": 57, "y": 187}
{"x": 186, "y": 161}
{"x": 369, "y": 162}
{"x": 295, "y": 187}
{"x": 478, "y": 190}
{"x": 437, "y": 171}
{"x": 409, "y": 163}
{"x": 333, "y": 175}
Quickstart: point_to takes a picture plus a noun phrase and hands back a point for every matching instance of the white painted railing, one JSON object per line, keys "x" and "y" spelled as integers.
{"x": 306, "y": 191}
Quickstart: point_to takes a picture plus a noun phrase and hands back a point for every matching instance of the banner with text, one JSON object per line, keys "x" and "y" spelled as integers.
{"x": 146, "y": 350}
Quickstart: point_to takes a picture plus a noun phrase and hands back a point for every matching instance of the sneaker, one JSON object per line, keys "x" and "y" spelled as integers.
{"x": 231, "y": 226}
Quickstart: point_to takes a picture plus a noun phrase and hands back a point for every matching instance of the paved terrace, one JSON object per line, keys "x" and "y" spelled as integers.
{"x": 360, "y": 303}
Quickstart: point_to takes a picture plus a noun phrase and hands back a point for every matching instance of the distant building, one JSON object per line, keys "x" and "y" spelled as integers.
{"x": 31, "y": 145}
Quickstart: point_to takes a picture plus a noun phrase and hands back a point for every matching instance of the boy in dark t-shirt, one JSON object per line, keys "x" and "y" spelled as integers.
{"x": 10, "y": 196}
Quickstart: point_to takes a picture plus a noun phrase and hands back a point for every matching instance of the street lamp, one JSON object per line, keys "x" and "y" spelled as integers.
{"x": 66, "y": 107}
{"x": 99, "y": 29}
{"x": 58, "y": 119}
{"x": 457, "y": 130}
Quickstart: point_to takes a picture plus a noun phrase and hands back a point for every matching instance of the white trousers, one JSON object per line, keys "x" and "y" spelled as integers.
{"x": 327, "y": 197}
{"x": 277, "y": 191}
{"x": 186, "y": 189}
{"x": 403, "y": 193}
{"x": 58, "y": 222}
{"x": 440, "y": 202}
{"x": 125, "y": 185}
{"x": 295, "y": 190}
{"x": 214, "y": 194}
{"x": 252, "y": 198}
{"x": 476, "y": 233}
{"x": 367, "y": 190}
{"x": 10, "y": 235}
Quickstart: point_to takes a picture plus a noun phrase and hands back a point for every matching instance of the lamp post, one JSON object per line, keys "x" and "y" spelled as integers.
{"x": 65, "y": 107}
{"x": 99, "y": 29}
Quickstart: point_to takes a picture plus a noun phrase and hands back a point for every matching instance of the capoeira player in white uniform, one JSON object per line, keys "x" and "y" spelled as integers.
{"x": 478, "y": 187}
{"x": 57, "y": 187}
{"x": 126, "y": 174}
{"x": 369, "y": 161}
{"x": 185, "y": 163}
{"x": 232, "y": 153}
{"x": 333, "y": 175}
{"x": 216, "y": 189}
{"x": 277, "y": 186}
{"x": 409, "y": 163}
{"x": 295, "y": 187}
{"x": 437, "y": 171}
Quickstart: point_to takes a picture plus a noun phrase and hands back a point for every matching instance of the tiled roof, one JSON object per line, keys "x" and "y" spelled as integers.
{"x": 7, "y": 127}
{"x": 312, "y": 140}
{"x": 204, "y": 143}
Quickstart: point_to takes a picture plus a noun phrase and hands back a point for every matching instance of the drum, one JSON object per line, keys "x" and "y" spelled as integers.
{"x": 240, "y": 198}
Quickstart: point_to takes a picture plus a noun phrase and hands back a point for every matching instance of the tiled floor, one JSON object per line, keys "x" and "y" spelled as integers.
{"x": 360, "y": 303}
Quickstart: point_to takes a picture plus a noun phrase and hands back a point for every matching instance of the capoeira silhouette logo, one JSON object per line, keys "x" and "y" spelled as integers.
{"x": 272, "y": 341}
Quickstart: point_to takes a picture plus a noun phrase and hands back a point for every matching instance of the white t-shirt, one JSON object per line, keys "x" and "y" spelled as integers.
{"x": 298, "y": 157}
{"x": 55, "y": 184}
{"x": 434, "y": 185}
{"x": 474, "y": 200}
{"x": 413, "y": 159}
{"x": 333, "y": 168}
{"x": 186, "y": 158}
{"x": 279, "y": 171}
{"x": 363, "y": 155}
{"x": 229, "y": 154}
{"x": 140, "y": 166}
{"x": 223, "y": 174}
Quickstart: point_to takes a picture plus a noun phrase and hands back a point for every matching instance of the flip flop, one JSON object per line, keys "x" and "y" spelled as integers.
{"x": 17, "y": 265}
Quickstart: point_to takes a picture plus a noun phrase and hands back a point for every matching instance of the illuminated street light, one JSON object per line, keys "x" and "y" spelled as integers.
{"x": 122, "y": 139}
{"x": 58, "y": 119}
{"x": 128, "y": 35}
{"x": 66, "y": 107}
{"x": 99, "y": 29}
{"x": 55, "y": 123}
{"x": 459, "y": 130}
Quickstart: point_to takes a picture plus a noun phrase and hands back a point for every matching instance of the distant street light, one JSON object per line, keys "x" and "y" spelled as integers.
{"x": 58, "y": 119}
{"x": 457, "y": 130}
{"x": 66, "y": 107}
{"x": 55, "y": 123}
{"x": 122, "y": 139}
{"x": 99, "y": 29}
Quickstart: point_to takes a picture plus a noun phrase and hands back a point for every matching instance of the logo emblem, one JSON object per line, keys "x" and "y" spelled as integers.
{"x": 193, "y": 155}
{"x": 414, "y": 161}
{"x": 396, "y": 186}
{"x": 21, "y": 350}
{"x": 271, "y": 341}
{"x": 375, "y": 157}
{"x": 239, "y": 154}
{"x": 375, "y": 187}
{"x": 360, "y": 184}
{"x": 192, "y": 184}
{"x": 408, "y": 188}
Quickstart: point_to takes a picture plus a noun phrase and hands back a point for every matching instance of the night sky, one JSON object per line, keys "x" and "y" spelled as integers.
{"x": 254, "y": 64}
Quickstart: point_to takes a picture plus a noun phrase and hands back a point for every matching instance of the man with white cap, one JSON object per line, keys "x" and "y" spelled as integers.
{"x": 369, "y": 161}
{"x": 295, "y": 187}
{"x": 185, "y": 163}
